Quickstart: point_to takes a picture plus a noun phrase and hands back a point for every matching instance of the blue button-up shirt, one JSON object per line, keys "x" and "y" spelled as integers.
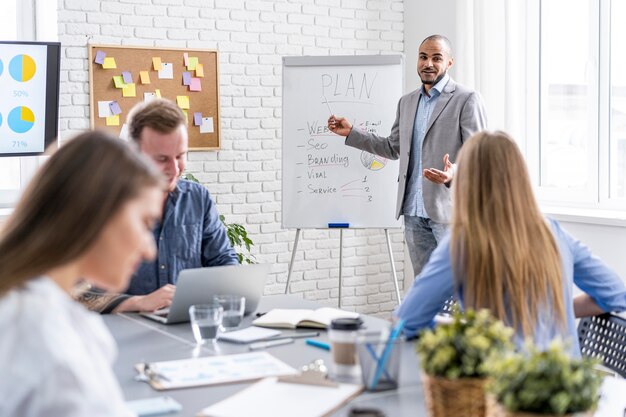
{"x": 437, "y": 282}
{"x": 413, "y": 198}
{"x": 191, "y": 235}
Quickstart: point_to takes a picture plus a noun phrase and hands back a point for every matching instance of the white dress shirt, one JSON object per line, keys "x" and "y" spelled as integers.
{"x": 55, "y": 356}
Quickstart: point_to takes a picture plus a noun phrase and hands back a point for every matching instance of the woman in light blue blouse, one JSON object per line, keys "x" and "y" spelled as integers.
{"x": 502, "y": 254}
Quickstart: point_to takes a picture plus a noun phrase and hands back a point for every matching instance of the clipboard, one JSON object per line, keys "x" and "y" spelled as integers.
{"x": 213, "y": 370}
{"x": 300, "y": 400}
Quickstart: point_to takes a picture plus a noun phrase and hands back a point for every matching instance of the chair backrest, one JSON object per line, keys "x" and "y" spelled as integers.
{"x": 448, "y": 306}
{"x": 604, "y": 337}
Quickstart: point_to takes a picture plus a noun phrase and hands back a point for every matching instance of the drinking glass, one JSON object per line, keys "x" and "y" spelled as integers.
{"x": 234, "y": 306}
{"x": 206, "y": 320}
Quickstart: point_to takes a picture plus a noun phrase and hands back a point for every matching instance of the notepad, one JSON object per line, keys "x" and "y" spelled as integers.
{"x": 292, "y": 400}
{"x": 248, "y": 335}
{"x": 292, "y": 318}
{"x": 612, "y": 400}
{"x": 215, "y": 370}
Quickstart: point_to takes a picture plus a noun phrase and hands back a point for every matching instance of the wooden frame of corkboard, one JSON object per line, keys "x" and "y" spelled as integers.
{"x": 135, "y": 59}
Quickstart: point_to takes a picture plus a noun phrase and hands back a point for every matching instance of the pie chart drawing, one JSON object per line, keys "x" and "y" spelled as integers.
{"x": 22, "y": 68}
{"x": 21, "y": 119}
{"x": 373, "y": 162}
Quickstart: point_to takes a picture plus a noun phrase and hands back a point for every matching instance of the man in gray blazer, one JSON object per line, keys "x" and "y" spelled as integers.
{"x": 431, "y": 124}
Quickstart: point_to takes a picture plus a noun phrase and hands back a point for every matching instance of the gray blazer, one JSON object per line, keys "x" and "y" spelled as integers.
{"x": 458, "y": 114}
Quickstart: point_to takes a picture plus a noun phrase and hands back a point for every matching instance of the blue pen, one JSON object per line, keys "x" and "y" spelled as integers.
{"x": 338, "y": 225}
{"x": 370, "y": 349}
{"x": 382, "y": 362}
{"x": 318, "y": 344}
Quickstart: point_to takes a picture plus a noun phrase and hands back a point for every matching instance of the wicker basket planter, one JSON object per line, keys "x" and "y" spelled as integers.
{"x": 463, "y": 397}
{"x": 496, "y": 410}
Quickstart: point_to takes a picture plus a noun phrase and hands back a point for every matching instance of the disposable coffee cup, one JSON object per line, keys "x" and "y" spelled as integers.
{"x": 343, "y": 335}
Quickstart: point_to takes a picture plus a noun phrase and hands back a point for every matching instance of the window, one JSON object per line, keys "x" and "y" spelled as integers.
{"x": 10, "y": 172}
{"x": 617, "y": 145}
{"x": 581, "y": 121}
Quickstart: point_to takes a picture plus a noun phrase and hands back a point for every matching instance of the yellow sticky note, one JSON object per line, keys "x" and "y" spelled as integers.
{"x": 129, "y": 90}
{"x": 113, "y": 120}
{"x": 109, "y": 63}
{"x": 118, "y": 81}
{"x": 156, "y": 63}
{"x": 199, "y": 70}
{"x": 145, "y": 77}
{"x": 183, "y": 101}
{"x": 158, "y": 93}
{"x": 186, "y": 117}
{"x": 192, "y": 63}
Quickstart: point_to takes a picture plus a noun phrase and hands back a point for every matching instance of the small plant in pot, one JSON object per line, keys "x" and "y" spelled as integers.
{"x": 538, "y": 383}
{"x": 453, "y": 358}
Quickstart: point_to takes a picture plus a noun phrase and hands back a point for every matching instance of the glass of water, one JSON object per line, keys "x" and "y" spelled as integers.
{"x": 234, "y": 306}
{"x": 206, "y": 320}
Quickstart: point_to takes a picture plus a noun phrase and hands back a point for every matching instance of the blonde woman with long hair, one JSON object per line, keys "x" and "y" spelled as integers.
{"x": 87, "y": 214}
{"x": 503, "y": 255}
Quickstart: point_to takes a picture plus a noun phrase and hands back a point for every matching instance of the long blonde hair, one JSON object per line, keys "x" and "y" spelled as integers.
{"x": 506, "y": 258}
{"x": 65, "y": 207}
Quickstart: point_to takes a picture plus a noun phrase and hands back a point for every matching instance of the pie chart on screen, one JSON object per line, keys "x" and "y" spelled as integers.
{"x": 22, "y": 68}
{"x": 21, "y": 119}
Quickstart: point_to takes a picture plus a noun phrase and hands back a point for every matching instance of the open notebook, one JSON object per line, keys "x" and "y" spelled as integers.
{"x": 292, "y": 318}
{"x": 295, "y": 400}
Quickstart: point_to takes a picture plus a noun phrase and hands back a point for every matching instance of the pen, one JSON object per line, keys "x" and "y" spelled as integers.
{"x": 318, "y": 344}
{"x": 270, "y": 343}
{"x": 293, "y": 336}
{"x": 328, "y": 105}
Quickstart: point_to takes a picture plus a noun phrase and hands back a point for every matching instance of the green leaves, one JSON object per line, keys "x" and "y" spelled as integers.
{"x": 189, "y": 177}
{"x": 545, "y": 382}
{"x": 238, "y": 237}
{"x": 460, "y": 349}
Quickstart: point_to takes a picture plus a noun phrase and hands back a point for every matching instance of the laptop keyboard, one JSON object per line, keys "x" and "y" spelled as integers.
{"x": 162, "y": 312}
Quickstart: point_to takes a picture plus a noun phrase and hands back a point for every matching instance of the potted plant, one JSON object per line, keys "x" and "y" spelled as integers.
{"x": 453, "y": 358}
{"x": 538, "y": 383}
{"x": 237, "y": 234}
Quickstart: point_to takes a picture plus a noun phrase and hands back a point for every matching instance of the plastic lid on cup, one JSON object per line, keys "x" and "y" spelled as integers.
{"x": 346, "y": 324}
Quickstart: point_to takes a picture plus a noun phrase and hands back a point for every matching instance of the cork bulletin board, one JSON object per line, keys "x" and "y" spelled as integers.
{"x": 121, "y": 76}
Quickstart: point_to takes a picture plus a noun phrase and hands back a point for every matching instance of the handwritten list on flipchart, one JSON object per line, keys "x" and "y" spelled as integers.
{"x": 325, "y": 181}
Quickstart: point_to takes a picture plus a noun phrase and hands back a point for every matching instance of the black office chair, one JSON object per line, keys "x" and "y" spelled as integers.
{"x": 448, "y": 307}
{"x": 604, "y": 337}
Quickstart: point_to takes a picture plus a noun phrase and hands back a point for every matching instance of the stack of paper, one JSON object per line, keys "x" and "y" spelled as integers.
{"x": 294, "y": 400}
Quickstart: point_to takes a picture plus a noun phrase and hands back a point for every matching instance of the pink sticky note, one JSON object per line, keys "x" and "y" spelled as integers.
{"x": 196, "y": 84}
{"x": 128, "y": 79}
{"x": 185, "y": 58}
{"x": 100, "y": 55}
{"x": 115, "y": 107}
{"x": 197, "y": 119}
{"x": 186, "y": 78}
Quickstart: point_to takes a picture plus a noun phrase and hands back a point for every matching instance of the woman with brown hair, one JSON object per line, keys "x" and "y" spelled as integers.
{"x": 87, "y": 214}
{"x": 503, "y": 255}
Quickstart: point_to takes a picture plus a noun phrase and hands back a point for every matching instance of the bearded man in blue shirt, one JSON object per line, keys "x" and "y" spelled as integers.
{"x": 190, "y": 233}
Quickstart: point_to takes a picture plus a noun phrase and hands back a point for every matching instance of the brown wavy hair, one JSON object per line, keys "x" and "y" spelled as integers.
{"x": 502, "y": 246}
{"x": 70, "y": 200}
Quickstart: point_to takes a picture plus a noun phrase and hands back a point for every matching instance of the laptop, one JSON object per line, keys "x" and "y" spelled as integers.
{"x": 199, "y": 285}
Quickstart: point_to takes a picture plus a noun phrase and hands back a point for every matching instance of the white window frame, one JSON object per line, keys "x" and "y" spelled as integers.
{"x": 595, "y": 202}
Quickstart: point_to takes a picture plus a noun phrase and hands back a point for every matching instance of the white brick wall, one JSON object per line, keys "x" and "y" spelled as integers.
{"x": 244, "y": 176}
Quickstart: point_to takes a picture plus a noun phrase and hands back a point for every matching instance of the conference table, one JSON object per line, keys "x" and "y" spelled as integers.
{"x": 140, "y": 340}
